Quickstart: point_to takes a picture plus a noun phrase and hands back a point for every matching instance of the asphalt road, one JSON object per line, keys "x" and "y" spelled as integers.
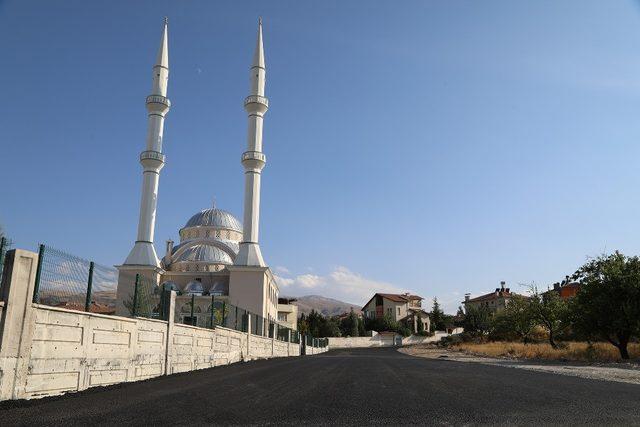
{"x": 364, "y": 386}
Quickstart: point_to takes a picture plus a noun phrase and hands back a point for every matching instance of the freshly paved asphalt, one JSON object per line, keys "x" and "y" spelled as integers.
{"x": 364, "y": 386}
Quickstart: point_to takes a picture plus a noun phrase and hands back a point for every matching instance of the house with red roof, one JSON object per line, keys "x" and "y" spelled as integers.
{"x": 495, "y": 301}
{"x": 404, "y": 308}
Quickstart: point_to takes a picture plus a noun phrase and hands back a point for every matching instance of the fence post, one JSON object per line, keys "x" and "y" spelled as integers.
{"x": 235, "y": 326}
{"x": 3, "y": 243}
{"x": 248, "y": 336}
{"x": 213, "y": 316}
{"x": 134, "y": 309}
{"x": 87, "y": 301}
{"x": 36, "y": 288}
{"x": 165, "y": 301}
{"x": 193, "y": 307}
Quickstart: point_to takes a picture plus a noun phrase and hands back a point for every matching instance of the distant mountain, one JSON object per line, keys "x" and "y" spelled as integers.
{"x": 326, "y": 306}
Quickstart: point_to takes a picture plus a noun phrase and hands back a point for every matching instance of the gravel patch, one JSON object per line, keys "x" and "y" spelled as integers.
{"x": 627, "y": 373}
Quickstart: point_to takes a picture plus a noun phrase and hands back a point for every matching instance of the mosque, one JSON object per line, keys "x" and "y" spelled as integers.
{"x": 217, "y": 256}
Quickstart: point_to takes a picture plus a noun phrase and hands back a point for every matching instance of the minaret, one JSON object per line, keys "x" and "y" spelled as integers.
{"x": 253, "y": 160}
{"x": 152, "y": 159}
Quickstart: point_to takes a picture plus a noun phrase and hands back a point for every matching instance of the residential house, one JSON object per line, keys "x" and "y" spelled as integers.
{"x": 566, "y": 289}
{"x": 405, "y": 308}
{"x": 495, "y": 301}
{"x": 288, "y": 313}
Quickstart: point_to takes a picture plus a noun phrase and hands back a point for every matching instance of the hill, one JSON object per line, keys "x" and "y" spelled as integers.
{"x": 326, "y": 306}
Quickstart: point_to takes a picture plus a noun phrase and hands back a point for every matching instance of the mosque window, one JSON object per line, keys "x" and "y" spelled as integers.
{"x": 228, "y": 234}
{"x": 217, "y": 233}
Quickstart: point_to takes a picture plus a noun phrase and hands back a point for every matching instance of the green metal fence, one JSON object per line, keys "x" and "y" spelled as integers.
{"x": 67, "y": 281}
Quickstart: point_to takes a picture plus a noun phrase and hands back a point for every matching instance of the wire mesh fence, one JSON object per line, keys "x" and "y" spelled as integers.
{"x": 67, "y": 281}
{"x": 61, "y": 279}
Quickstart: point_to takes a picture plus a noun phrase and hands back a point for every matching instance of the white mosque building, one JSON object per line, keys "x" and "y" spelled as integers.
{"x": 217, "y": 255}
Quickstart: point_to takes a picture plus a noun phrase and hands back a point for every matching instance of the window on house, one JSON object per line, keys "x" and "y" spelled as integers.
{"x": 398, "y": 308}
{"x": 282, "y": 317}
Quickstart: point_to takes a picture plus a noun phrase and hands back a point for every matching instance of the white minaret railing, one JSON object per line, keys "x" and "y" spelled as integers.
{"x": 152, "y": 159}
{"x": 253, "y": 160}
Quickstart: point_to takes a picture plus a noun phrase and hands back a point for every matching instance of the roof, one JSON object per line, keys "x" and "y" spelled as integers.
{"x": 395, "y": 298}
{"x": 214, "y": 217}
{"x": 491, "y": 296}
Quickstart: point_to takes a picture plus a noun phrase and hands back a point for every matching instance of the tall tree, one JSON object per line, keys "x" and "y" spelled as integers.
{"x": 607, "y": 306}
{"x": 437, "y": 316}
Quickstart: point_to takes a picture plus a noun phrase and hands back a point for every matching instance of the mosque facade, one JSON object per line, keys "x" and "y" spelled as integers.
{"x": 218, "y": 258}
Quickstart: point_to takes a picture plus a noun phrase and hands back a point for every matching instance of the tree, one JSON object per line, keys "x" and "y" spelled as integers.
{"x": 458, "y": 320}
{"x": 361, "y": 330}
{"x": 380, "y": 324}
{"x": 349, "y": 326}
{"x": 303, "y": 325}
{"x": 420, "y": 325}
{"x": 437, "y": 317}
{"x": 517, "y": 319}
{"x": 477, "y": 319}
{"x": 607, "y": 306}
{"x": 353, "y": 320}
{"x": 550, "y": 311}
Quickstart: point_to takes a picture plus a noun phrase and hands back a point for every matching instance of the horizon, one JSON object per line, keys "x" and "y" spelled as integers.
{"x": 436, "y": 149}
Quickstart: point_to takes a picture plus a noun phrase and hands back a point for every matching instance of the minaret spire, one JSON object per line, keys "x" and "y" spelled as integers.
{"x": 152, "y": 159}
{"x": 253, "y": 160}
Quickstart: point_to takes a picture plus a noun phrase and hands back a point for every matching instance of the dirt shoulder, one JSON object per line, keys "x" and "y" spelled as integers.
{"x": 618, "y": 372}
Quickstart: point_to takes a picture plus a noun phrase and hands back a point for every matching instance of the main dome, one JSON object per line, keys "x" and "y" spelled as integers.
{"x": 204, "y": 253}
{"x": 214, "y": 217}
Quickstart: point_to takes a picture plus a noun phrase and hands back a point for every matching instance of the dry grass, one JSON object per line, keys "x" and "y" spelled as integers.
{"x": 580, "y": 351}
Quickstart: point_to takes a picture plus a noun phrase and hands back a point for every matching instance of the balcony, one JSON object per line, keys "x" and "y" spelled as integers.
{"x": 158, "y": 99}
{"x": 254, "y": 155}
{"x": 153, "y": 155}
{"x": 257, "y": 99}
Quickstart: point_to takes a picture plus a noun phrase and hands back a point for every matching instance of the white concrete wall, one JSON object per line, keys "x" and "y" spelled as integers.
{"x": 46, "y": 351}
{"x": 417, "y": 339}
{"x": 379, "y": 340}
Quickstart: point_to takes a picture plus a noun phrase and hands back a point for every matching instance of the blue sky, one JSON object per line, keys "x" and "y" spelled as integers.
{"x": 436, "y": 147}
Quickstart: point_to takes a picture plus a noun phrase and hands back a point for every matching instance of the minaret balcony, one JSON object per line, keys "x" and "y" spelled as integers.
{"x": 158, "y": 99}
{"x": 152, "y": 155}
{"x": 254, "y": 155}
{"x": 256, "y": 104}
{"x": 256, "y": 99}
{"x": 158, "y": 104}
{"x": 253, "y": 160}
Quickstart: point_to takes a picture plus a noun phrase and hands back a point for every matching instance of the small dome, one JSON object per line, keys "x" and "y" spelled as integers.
{"x": 219, "y": 288}
{"x": 204, "y": 253}
{"x": 194, "y": 287}
{"x": 214, "y": 217}
{"x": 171, "y": 286}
